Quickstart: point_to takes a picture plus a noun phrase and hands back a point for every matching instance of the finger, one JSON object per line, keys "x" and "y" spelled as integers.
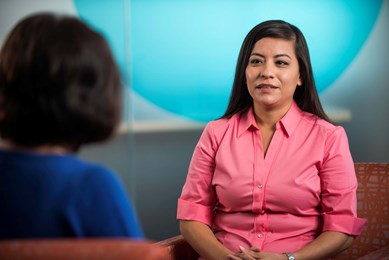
{"x": 245, "y": 254}
{"x": 254, "y": 249}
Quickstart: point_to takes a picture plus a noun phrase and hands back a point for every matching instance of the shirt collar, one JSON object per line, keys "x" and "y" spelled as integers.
{"x": 291, "y": 119}
{"x": 288, "y": 123}
{"x": 246, "y": 121}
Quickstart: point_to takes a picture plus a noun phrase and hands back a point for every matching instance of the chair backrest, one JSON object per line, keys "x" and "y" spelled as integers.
{"x": 373, "y": 204}
{"x": 104, "y": 248}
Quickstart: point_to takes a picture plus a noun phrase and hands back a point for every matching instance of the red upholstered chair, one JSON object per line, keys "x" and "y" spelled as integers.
{"x": 373, "y": 204}
{"x": 81, "y": 249}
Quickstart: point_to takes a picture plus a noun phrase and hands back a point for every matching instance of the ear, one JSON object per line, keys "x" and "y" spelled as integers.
{"x": 299, "y": 82}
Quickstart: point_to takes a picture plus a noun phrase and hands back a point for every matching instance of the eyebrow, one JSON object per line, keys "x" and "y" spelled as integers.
{"x": 276, "y": 56}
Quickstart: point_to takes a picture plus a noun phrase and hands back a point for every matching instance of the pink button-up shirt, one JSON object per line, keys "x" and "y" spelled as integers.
{"x": 305, "y": 185}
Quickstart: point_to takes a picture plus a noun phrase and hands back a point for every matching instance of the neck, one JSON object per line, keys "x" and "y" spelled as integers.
{"x": 268, "y": 117}
{"x": 43, "y": 149}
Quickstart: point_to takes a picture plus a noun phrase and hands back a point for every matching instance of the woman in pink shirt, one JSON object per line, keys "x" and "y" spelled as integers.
{"x": 273, "y": 178}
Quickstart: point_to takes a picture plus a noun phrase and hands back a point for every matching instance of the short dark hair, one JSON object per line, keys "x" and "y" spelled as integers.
{"x": 59, "y": 83}
{"x": 305, "y": 96}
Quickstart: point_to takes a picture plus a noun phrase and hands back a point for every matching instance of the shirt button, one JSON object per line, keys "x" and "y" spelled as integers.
{"x": 260, "y": 186}
{"x": 260, "y": 235}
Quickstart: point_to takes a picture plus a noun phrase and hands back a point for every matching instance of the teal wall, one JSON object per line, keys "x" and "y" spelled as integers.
{"x": 180, "y": 55}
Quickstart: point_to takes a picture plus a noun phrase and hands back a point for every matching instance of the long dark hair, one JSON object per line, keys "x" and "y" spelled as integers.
{"x": 59, "y": 83}
{"x": 305, "y": 96}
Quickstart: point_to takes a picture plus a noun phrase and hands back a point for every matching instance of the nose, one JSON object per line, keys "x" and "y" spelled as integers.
{"x": 267, "y": 71}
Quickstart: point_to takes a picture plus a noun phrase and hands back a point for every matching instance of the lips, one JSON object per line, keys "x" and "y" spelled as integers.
{"x": 266, "y": 86}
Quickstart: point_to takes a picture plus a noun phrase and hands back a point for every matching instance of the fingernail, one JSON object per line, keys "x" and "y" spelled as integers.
{"x": 241, "y": 248}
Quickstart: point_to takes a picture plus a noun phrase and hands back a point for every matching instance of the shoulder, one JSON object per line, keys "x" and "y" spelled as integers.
{"x": 100, "y": 175}
{"x": 100, "y": 196}
{"x": 91, "y": 176}
{"x": 220, "y": 126}
{"x": 97, "y": 183}
{"x": 320, "y": 124}
{"x": 214, "y": 132}
{"x": 219, "y": 123}
{"x": 331, "y": 136}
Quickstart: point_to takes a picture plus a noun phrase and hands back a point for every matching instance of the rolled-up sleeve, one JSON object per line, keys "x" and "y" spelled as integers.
{"x": 339, "y": 185}
{"x": 197, "y": 200}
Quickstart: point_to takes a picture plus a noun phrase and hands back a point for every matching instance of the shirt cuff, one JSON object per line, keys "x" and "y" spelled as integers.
{"x": 343, "y": 223}
{"x": 187, "y": 210}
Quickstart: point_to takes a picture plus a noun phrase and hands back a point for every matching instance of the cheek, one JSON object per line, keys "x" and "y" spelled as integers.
{"x": 291, "y": 79}
{"x": 248, "y": 81}
{"x": 249, "y": 76}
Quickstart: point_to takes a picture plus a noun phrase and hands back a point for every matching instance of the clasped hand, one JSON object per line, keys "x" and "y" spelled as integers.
{"x": 254, "y": 253}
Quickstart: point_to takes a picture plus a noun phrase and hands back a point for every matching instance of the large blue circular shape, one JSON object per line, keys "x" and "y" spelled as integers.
{"x": 183, "y": 53}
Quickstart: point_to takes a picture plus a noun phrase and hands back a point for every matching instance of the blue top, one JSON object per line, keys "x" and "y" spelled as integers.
{"x": 62, "y": 196}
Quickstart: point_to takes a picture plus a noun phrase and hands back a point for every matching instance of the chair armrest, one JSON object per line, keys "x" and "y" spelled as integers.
{"x": 179, "y": 248}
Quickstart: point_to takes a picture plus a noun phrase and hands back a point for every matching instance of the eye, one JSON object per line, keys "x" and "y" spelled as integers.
{"x": 282, "y": 63}
{"x": 255, "y": 61}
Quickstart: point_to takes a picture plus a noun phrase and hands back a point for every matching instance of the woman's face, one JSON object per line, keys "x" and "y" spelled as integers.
{"x": 272, "y": 73}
